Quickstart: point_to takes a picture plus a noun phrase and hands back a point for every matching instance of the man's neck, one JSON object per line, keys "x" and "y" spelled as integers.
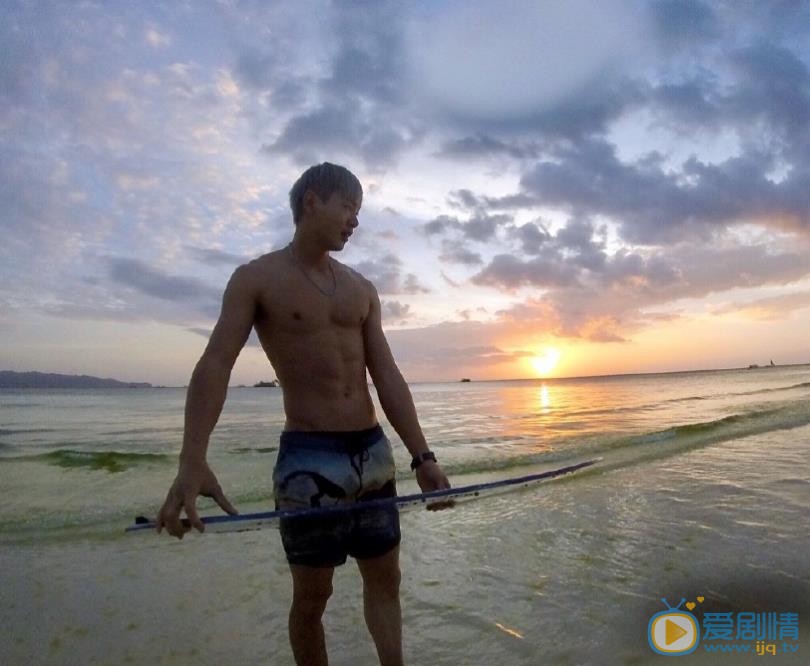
{"x": 309, "y": 253}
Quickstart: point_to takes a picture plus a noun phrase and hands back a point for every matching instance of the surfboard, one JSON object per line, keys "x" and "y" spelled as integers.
{"x": 254, "y": 521}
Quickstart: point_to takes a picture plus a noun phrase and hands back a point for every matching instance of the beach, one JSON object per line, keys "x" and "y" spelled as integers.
{"x": 702, "y": 490}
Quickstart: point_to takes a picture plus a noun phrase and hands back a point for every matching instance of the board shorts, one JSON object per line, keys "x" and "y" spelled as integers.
{"x": 319, "y": 469}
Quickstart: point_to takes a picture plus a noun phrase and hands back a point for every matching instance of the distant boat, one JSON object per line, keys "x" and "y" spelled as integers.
{"x": 465, "y": 379}
{"x": 754, "y": 366}
{"x": 270, "y": 384}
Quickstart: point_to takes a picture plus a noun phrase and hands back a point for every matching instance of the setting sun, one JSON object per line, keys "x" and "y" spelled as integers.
{"x": 545, "y": 363}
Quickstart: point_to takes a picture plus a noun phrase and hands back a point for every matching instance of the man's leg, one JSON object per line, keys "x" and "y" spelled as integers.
{"x": 312, "y": 587}
{"x": 381, "y": 578}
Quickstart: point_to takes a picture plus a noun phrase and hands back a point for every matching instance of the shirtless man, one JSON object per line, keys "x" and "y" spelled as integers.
{"x": 319, "y": 322}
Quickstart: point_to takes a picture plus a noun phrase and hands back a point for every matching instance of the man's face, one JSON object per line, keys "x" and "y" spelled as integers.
{"x": 338, "y": 219}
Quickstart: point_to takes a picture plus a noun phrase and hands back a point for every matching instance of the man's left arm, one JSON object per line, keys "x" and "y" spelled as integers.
{"x": 395, "y": 397}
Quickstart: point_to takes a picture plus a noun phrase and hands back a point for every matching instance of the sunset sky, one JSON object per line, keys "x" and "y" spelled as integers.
{"x": 551, "y": 188}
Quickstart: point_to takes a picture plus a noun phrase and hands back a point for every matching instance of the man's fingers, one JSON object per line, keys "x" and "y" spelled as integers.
{"x": 169, "y": 516}
{"x": 222, "y": 501}
{"x": 190, "y": 504}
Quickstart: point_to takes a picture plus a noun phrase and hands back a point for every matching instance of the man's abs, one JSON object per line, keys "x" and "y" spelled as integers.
{"x": 315, "y": 343}
{"x": 307, "y": 409}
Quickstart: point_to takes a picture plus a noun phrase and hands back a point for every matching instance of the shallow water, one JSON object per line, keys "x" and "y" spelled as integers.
{"x": 703, "y": 490}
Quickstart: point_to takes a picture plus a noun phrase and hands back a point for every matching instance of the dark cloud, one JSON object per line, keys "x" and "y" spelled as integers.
{"x": 361, "y": 108}
{"x": 531, "y": 236}
{"x": 339, "y": 127}
{"x": 684, "y": 25}
{"x": 607, "y": 300}
{"x": 441, "y": 225}
{"x": 142, "y": 277}
{"x": 395, "y": 312}
{"x": 456, "y": 252}
{"x": 689, "y": 104}
{"x": 386, "y": 275}
{"x": 482, "y": 146}
{"x": 464, "y": 199}
{"x": 557, "y": 260}
{"x": 655, "y": 206}
{"x": 509, "y": 272}
{"x": 478, "y": 227}
{"x": 369, "y": 60}
{"x": 773, "y": 87}
{"x": 215, "y": 257}
{"x": 264, "y": 71}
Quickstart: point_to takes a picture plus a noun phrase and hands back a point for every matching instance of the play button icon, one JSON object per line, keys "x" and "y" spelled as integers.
{"x": 673, "y": 631}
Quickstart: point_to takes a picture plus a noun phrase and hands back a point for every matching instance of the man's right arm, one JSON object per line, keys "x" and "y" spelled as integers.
{"x": 204, "y": 401}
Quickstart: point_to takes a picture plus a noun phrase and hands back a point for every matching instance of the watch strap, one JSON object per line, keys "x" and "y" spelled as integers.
{"x": 422, "y": 457}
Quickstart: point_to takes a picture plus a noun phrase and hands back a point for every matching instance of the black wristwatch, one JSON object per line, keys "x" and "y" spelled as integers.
{"x": 418, "y": 460}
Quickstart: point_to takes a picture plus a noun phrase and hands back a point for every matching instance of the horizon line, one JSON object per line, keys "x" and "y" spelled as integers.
{"x": 481, "y": 381}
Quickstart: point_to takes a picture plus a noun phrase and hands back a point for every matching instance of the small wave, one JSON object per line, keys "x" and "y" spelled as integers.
{"x": 249, "y": 449}
{"x": 623, "y": 450}
{"x": 23, "y": 431}
{"x": 111, "y": 461}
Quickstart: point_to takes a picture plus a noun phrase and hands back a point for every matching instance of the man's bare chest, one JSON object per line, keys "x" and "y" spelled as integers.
{"x": 294, "y": 305}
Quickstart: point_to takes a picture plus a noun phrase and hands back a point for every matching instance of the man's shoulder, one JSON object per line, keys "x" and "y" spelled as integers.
{"x": 253, "y": 274}
{"x": 259, "y": 266}
{"x": 355, "y": 275}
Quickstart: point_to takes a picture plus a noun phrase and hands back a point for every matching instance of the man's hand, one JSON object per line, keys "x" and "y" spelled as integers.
{"x": 430, "y": 477}
{"x": 192, "y": 479}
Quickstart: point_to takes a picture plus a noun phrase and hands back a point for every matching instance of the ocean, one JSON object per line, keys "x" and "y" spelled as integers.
{"x": 702, "y": 493}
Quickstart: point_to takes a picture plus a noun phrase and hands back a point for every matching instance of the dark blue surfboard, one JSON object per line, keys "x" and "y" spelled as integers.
{"x": 258, "y": 520}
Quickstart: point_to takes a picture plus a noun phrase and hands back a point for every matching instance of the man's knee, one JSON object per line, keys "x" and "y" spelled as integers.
{"x": 382, "y": 581}
{"x": 310, "y": 597}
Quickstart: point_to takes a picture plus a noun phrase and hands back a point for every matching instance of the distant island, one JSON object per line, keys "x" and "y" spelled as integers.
{"x": 273, "y": 383}
{"x": 9, "y": 379}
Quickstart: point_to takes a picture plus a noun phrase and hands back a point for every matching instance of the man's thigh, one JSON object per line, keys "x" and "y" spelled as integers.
{"x": 381, "y": 574}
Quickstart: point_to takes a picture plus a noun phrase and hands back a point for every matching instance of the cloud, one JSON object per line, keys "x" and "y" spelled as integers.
{"x": 587, "y": 291}
{"x": 483, "y": 145}
{"x": 652, "y": 205}
{"x": 395, "y": 312}
{"x": 683, "y": 25}
{"x": 456, "y": 252}
{"x": 216, "y": 257}
{"x": 478, "y": 227}
{"x": 773, "y": 87}
{"x": 386, "y": 275}
{"x": 769, "y": 308}
{"x": 359, "y": 106}
{"x": 531, "y": 236}
{"x": 156, "y": 38}
{"x": 141, "y": 277}
{"x": 526, "y": 57}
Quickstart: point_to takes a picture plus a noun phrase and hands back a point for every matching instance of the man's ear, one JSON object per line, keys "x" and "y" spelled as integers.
{"x": 311, "y": 201}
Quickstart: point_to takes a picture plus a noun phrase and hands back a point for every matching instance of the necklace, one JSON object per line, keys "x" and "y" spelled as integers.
{"x": 307, "y": 276}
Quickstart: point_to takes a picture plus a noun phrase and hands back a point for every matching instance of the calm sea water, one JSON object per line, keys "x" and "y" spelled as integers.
{"x": 703, "y": 490}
